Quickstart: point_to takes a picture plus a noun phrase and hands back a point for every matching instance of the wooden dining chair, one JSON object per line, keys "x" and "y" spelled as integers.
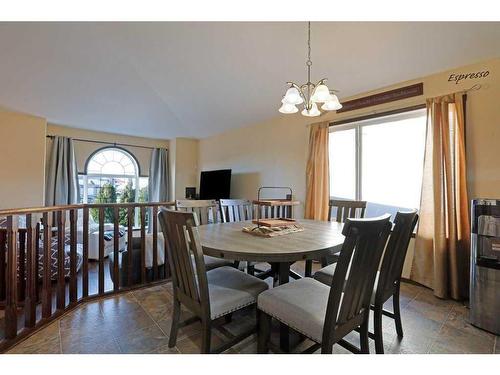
{"x": 327, "y": 314}
{"x": 209, "y": 295}
{"x": 339, "y": 210}
{"x": 345, "y": 209}
{"x": 234, "y": 210}
{"x": 206, "y": 212}
{"x": 387, "y": 281}
{"x": 273, "y": 212}
{"x": 276, "y": 212}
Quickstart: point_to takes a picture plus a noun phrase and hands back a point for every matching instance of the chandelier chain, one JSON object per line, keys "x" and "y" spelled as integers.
{"x": 309, "y": 62}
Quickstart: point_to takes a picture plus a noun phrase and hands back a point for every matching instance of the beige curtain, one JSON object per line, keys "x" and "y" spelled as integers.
{"x": 441, "y": 259}
{"x": 317, "y": 173}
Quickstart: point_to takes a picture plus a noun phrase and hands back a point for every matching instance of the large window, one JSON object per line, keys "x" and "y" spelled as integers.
{"x": 379, "y": 160}
{"x": 112, "y": 176}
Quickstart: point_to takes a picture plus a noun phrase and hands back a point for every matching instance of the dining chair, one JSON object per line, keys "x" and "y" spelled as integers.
{"x": 234, "y": 210}
{"x": 206, "y": 209}
{"x": 387, "y": 281}
{"x": 206, "y": 212}
{"x": 327, "y": 314}
{"x": 275, "y": 212}
{"x": 338, "y": 210}
{"x": 345, "y": 209}
{"x": 209, "y": 295}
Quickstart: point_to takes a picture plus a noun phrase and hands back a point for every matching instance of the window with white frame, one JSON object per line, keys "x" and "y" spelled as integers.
{"x": 379, "y": 160}
{"x": 117, "y": 171}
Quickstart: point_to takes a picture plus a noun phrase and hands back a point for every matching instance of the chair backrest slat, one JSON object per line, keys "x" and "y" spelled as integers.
{"x": 346, "y": 209}
{"x": 355, "y": 273}
{"x": 206, "y": 210}
{"x": 183, "y": 245}
{"x": 233, "y": 210}
{"x": 395, "y": 254}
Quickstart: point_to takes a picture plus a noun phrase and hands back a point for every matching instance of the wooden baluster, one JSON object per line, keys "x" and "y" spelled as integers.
{"x": 85, "y": 266}
{"x": 11, "y": 292}
{"x": 31, "y": 271}
{"x": 154, "y": 221}
{"x": 142, "y": 212}
{"x": 130, "y": 221}
{"x": 47, "y": 274}
{"x": 101, "y": 252}
{"x": 21, "y": 291}
{"x": 116, "y": 248}
{"x": 61, "y": 283}
{"x": 3, "y": 246}
{"x": 165, "y": 257}
{"x": 73, "y": 287}
{"x": 37, "y": 256}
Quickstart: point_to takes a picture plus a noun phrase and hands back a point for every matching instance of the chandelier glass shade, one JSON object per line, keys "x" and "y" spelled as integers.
{"x": 309, "y": 94}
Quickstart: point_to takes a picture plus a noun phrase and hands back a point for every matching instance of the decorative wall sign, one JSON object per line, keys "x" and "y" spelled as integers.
{"x": 383, "y": 97}
{"x": 475, "y": 75}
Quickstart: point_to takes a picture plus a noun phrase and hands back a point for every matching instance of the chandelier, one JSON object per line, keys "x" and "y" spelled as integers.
{"x": 309, "y": 94}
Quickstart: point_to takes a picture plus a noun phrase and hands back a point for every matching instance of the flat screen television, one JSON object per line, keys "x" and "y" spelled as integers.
{"x": 215, "y": 184}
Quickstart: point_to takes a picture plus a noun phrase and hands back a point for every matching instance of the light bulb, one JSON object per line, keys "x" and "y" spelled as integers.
{"x": 292, "y": 96}
{"x": 321, "y": 94}
{"x": 313, "y": 112}
{"x": 288, "y": 108}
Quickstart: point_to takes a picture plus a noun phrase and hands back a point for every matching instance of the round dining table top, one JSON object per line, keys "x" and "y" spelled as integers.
{"x": 227, "y": 240}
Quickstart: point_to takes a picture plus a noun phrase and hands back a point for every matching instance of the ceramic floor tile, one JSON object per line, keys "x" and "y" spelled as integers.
{"x": 459, "y": 319}
{"x": 453, "y": 340}
{"x": 431, "y": 307}
{"x": 88, "y": 345}
{"x": 158, "y": 312}
{"x": 157, "y": 294}
{"x": 192, "y": 344}
{"x": 48, "y": 346}
{"x": 165, "y": 350}
{"x": 45, "y": 341}
{"x": 183, "y": 332}
{"x": 247, "y": 346}
{"x": 120, "y": 304}
{"x": 144, "y": 340}
{"x": 126, "y": 323}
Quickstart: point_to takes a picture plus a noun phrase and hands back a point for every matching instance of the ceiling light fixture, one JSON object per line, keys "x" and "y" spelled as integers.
{"x": 309, "y": 93}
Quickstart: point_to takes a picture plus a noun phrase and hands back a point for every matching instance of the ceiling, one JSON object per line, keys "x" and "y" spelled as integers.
{"x": 166, "y": 80}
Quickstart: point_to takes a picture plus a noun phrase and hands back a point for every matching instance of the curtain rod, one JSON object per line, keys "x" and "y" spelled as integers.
{"x": 377, "y": 114}
{"x": 106, "y": 143}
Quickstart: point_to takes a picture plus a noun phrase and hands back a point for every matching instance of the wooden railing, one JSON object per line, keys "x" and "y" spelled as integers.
{"x": 36, "y": 283}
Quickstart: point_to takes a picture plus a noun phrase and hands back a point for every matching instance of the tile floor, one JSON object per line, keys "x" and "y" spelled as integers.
{"x": 139, "y": 322}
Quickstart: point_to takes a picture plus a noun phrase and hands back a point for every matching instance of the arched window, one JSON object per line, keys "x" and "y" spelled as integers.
{"x": 112, "y": 162}
{"x": 112, "y": 175}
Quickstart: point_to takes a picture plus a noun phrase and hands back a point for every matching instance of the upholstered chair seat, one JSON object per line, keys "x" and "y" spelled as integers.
{"x": 230, "y": 290}
{"x": 300, "y": 304}
{"x": 213, "y": 262}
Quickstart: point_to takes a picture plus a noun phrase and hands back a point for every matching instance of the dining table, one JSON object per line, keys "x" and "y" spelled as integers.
{"x": 315, "y": 241}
